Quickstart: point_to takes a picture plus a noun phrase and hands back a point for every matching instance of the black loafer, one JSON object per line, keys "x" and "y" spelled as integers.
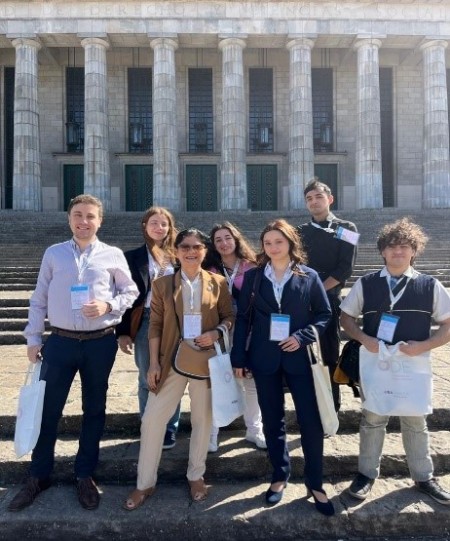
{"x": 88, "y": 494}
{"x": 28, "y": 493}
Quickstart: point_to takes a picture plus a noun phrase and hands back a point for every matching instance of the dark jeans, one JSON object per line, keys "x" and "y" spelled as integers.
{"x": 329, "y": 344}
{"x": 62, "y": 359}
{"x": 270, "y": 390}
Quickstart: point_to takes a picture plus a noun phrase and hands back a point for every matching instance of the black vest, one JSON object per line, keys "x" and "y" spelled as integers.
{"x": 414, "y": 307}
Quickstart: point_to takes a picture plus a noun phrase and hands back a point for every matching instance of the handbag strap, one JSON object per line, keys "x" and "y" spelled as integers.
{"x": 255, "y": 289}
{"x": 318, "y": 353}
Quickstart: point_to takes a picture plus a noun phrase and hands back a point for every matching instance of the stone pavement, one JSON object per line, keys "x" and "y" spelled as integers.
{"x": 238, "y": 473}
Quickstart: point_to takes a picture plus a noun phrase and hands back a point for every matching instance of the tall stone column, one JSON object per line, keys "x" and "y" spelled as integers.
{"x": 234, "y": 125}
{"x": 97, "y": 180}
{"x": 436, "y": 164}
{"x": 301, "y": 144}
{"x": 369, "y": 182}
{"x": 166, "y": 182}
{"x": 27, "y": 152}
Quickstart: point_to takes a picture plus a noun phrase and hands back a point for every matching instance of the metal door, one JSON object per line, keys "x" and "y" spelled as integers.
{"x": 138, "y": 187}
{"x": 73, "y": 182}
{"x": 327, "y": 173}
{"x": 262, "y": 187}
{"x": 201, "y": 187}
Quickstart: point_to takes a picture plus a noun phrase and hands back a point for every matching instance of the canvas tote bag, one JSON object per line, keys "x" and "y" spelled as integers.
{"x": 29, "y": 411}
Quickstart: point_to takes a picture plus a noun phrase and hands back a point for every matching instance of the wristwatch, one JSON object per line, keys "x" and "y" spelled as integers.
{"x": 220, "y": 331}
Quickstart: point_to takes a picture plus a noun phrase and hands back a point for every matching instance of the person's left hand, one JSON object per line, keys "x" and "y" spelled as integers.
{"x": 289, "y": 344}
{"x": 206, "y": 339}
{"x": 95, "y": 309}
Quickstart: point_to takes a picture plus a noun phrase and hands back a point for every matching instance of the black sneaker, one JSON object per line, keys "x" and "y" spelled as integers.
{"x": 435, "y": 491}
{"x": 170, "y": 439}
{"x": 361, "y": 487}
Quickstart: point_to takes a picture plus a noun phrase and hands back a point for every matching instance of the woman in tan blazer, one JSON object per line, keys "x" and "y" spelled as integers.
{"x": 176, "y": 306}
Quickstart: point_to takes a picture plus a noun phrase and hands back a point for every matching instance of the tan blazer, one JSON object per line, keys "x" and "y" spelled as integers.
{"x": 167, "y": 303}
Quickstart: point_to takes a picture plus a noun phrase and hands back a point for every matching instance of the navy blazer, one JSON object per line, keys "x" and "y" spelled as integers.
{"x": 138, "y": 262}
{"x": 304, "y": 299}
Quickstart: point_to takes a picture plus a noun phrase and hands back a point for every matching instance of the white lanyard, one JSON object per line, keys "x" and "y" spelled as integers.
{"x": 328, "y": 229}
{"x": 399, "y": 295}
{"x": 278, "y": 286}
{"x": 230, "y": 279}
{"x": 82, "y": 262}
{"x": 191, "y": 287}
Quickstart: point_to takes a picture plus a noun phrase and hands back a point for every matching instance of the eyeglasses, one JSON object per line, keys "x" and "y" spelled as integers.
{"x": 194, "y": 247}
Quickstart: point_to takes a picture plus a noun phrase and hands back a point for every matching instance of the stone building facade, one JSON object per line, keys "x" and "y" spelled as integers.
{"x": 224, "y": 104}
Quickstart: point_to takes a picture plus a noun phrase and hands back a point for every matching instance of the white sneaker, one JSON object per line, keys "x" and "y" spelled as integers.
{"x": 213, "y": 445}
{"x": 258, "y": 439}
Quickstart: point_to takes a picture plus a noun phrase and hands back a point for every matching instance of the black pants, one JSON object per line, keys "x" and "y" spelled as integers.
{"x": 62, "y": 359}
{"x": 329, "y": 343}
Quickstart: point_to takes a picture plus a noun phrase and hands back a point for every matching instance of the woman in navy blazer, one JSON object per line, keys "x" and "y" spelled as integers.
{"x": 282, "y": 284}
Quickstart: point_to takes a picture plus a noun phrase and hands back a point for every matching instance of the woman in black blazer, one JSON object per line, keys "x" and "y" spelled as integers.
{"x": 283, "y": 297}
{"x": 153, "y": 259}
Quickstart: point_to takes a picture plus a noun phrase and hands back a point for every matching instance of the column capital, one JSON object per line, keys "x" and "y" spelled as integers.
{"x": 28, "y": 41}
{"x": 229, "y": 39}
{"x": 166, "y": 40}
{"x": 433, "y": 42}
{"x": 87, "y": 40}
{"x": 366, "y": 40}
{"x": 301, "y": 41}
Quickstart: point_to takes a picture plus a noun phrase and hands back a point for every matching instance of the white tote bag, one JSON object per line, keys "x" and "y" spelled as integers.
{"x": 322, "y": 386}
{"x": 394, "y": 383}
{"x": 29, "y": 411}
{"x": 227, "y": 399}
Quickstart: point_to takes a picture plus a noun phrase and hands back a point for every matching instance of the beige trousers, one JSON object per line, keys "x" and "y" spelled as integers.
{"x": 159, "y": 410}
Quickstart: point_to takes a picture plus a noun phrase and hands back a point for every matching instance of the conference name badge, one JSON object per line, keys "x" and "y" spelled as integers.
{"x": 79, "y": 295}
{"x": 279, "y": 327}
{"x": 192, "y": 326}
{"x": 387, "y": 326}
{"x": 346, "y": 234}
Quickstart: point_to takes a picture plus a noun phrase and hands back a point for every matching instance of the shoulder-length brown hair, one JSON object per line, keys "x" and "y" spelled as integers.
{"x": 296, "y": 252}
{"x": 167, "y": 246}
{"x": 243, "y": 249}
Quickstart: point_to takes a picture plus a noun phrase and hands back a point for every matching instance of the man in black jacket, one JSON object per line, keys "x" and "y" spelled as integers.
{"x": 330, "y": 244}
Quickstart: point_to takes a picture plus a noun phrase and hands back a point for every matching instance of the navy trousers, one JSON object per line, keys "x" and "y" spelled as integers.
{"x": 62, "y": 359}
{"x": 270, "y": 389}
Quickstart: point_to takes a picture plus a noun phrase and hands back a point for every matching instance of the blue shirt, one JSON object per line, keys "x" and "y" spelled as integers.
{"x": 104, "y": 270}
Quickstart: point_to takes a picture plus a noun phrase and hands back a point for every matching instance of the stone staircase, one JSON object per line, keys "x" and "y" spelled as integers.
{"x": 25, "y": 235}
{"x": 239, "y": 474}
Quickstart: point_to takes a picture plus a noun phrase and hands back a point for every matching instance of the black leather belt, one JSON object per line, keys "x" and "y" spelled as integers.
{"x": 85, "y": 335}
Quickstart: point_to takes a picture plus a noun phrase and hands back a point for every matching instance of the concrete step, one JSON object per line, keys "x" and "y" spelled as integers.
{"x": 13, "y": 312}
{"x": 233, "y": 511}
{"x": 236, "y": 458}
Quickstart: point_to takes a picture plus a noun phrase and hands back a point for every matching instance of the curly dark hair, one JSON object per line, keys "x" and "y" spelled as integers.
{"x": 403, "y": 231}
{"x": 296, "y": 251}
{"x": 243, "y": 248}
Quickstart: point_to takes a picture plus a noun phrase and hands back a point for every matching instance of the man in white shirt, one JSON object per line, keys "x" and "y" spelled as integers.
{"x": 84, "y": 287}
{"x": 411, "y": 300}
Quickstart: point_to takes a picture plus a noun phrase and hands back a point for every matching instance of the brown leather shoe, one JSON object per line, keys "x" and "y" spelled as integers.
{"x": 88, "y": 494}
{"x": 27, "y": 494}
